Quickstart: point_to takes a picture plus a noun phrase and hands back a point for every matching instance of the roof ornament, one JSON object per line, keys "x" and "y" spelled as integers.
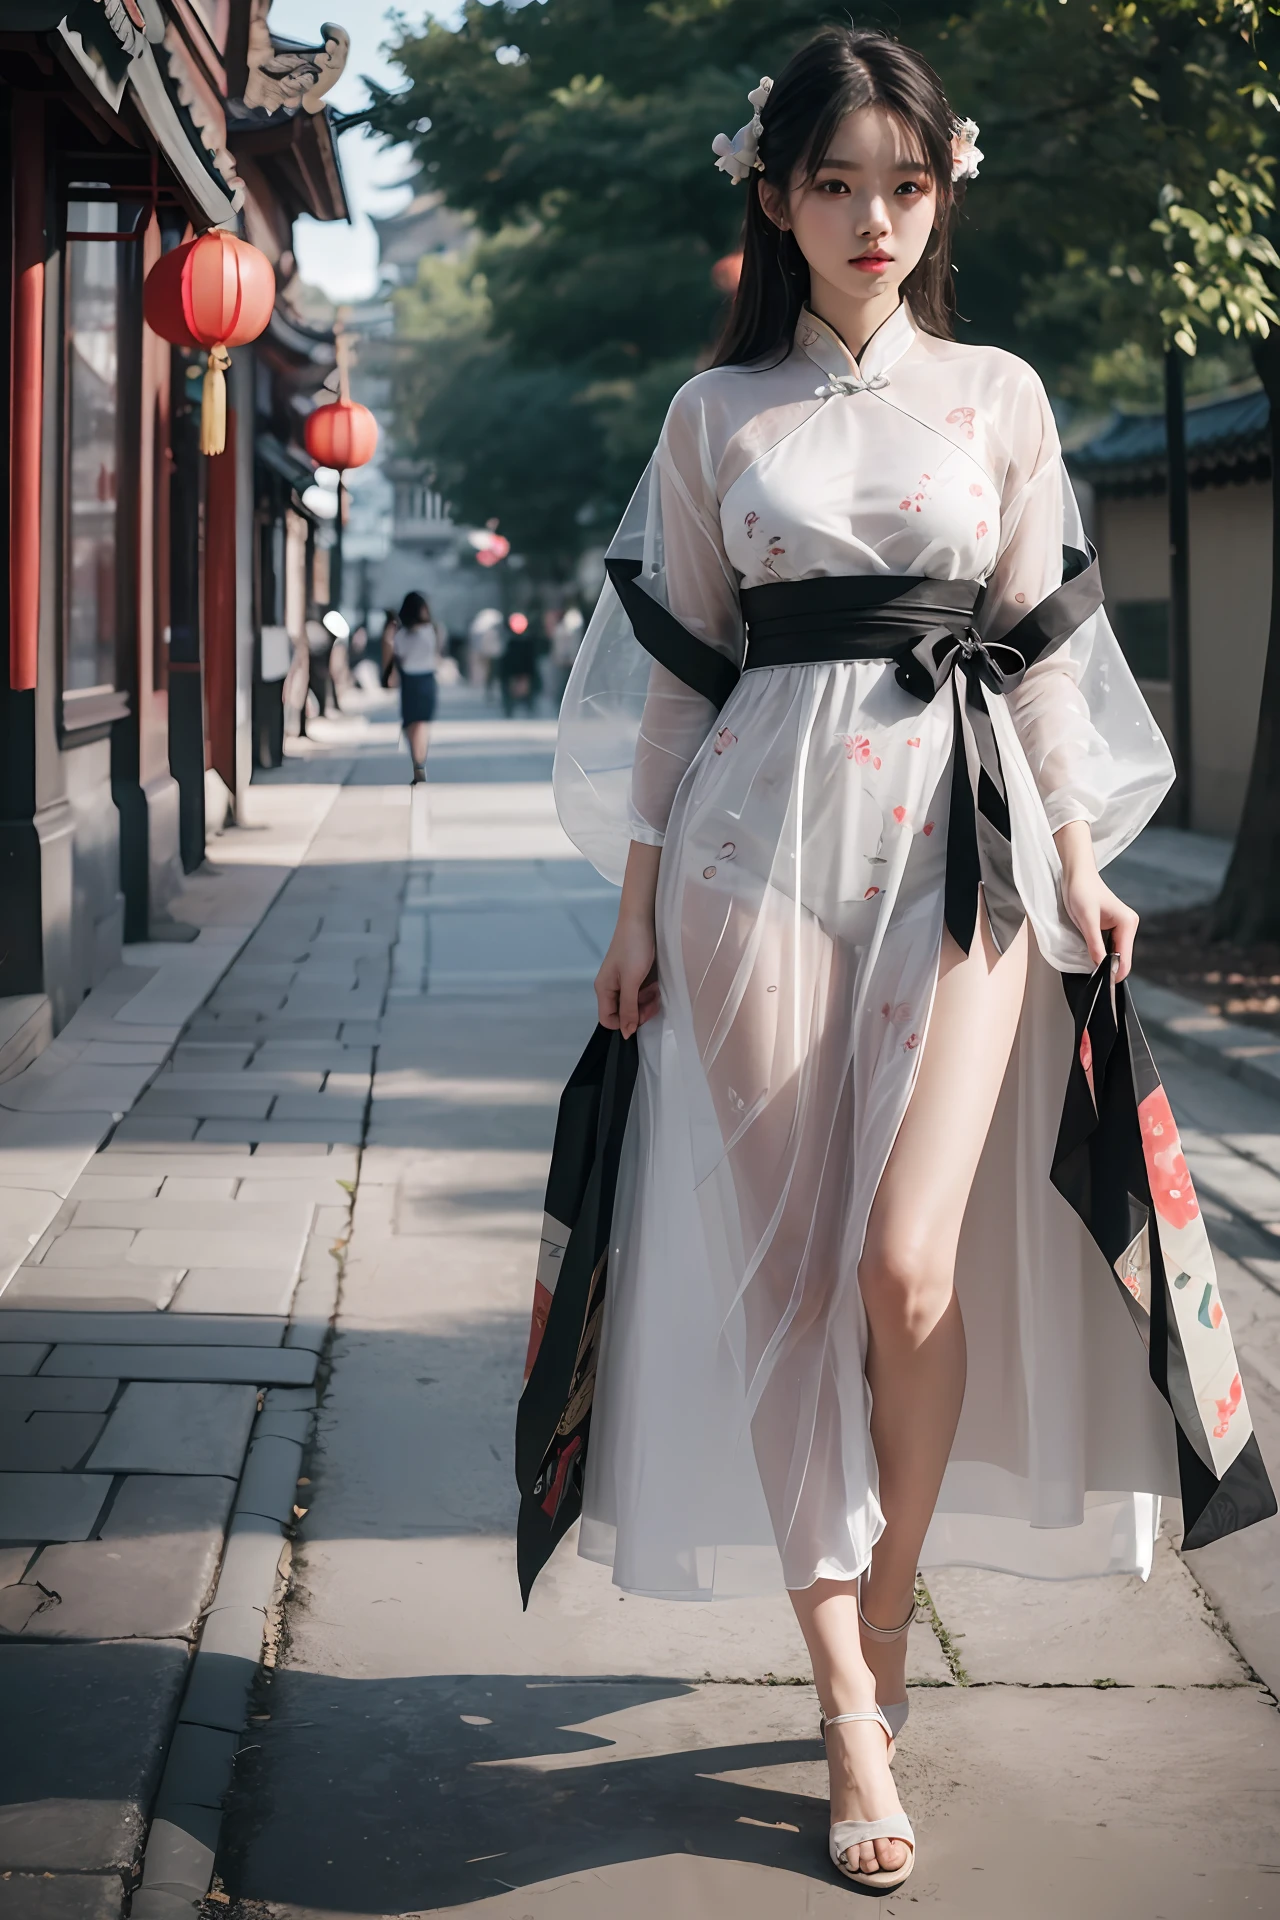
{"x": 285, "y": 74}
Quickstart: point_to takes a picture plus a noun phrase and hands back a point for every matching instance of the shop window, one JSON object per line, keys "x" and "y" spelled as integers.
{"x": 101, "y": 345}
{"x": 1142, "y": 628}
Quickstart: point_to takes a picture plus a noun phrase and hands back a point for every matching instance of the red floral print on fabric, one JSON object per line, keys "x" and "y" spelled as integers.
{"x": 1171, "y": 1189}
{"x": 963, "y": 418}
{"x": 927, "y": 829}
{"x": 915, "y": 742}
{"x": 857, "y": 747}
{"x": 775, "y": 553}
{"x": 871, "y": 893}
{"x": 914, "y": 503}
{"x": 1227, "y": 1407}
{"x": 899, "y": 814}
{"x": 976, "y": 490}
{"x": 725, "y": 740}
{"x": 911, "y": 1042}
{"x": 751, "y": 521}
{"x": 1086, "y": 1061}
{"x": 980, "y": 531}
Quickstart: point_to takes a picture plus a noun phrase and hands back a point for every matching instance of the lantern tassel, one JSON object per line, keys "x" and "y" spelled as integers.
{"x": 213, "y": 402}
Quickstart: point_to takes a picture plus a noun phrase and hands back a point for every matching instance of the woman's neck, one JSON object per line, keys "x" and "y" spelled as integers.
{"x": 854, "y": 319}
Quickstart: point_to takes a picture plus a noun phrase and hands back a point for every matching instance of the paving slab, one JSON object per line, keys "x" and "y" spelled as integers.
{"x": 47, "y": 1442}
{"x": 1085, "y": 1632}
{"x": 231, "y": 1290}
{"x": 51, "y": 1506}
{"x": 266, "y": 1366}
{"x": 159, "y": 1129}
{"x": 285, "y": 1133}
{"x": 91, "y": 1247}
{"x": 108, "y": 1288}
{"x": 19, "y": 1356}
{"x": 65, "y": 1396}
{"x": 150, "y": 1572}
{"x": 195, "y": 1189}
{"x": 100, "y": 1185}
{"x": 85, "y": 1730}
{"x": 612, "y": 1797}
{"x": 25, "y": 1213}
{"x": 135, "y": 1329}
{"x": 158, "y": 1427}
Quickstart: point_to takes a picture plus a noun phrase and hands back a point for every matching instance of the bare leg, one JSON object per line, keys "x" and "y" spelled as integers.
{"x": 418, "y": 733}
{"x": 915, "y": 1356}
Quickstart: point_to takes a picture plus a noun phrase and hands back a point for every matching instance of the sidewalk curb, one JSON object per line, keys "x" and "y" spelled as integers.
{"x": 1248, "y": 1054}
{"x": 177, "y": 1866}
{"x": 186, "y": 1820}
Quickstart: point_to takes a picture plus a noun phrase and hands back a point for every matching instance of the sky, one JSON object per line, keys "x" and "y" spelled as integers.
{"x": 340, "y": 259}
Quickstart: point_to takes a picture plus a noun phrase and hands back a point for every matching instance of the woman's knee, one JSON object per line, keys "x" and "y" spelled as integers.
{"x": 906, "y": 1281}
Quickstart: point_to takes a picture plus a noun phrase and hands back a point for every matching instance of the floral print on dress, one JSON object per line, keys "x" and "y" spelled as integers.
{"x": 914, "y": 503}
{"x": 962, "y": 417}
{"x": 751, "y": 521}
{"x": 775, "y": 552}
{"x": 857, "y": 747}
{"x": 725, "y": 740}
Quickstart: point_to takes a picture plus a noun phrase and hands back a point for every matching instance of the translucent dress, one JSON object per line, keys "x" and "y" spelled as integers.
{"x": 804, "y": 831}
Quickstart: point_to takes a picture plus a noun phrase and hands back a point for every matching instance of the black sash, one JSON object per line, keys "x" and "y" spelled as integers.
{"x": 932, "y": 630}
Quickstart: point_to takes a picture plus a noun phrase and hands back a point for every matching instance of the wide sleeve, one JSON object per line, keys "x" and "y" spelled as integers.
{"x": 628, "y": 727}
{"x": 701, "y": 591}
{"x": 1091, "y": 743}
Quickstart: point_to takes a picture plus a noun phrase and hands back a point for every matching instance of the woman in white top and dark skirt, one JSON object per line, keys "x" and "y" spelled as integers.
{"x": 417, "y": 650}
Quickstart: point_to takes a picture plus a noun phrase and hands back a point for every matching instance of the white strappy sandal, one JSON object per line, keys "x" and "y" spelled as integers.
{"x": 896, "y": 1712}
{"x": 848, "y": 1835}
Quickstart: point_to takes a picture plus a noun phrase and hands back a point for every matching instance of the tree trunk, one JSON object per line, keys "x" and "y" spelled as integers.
{"x": 1175, "y": 426}
{"x": 1248, "y": 908}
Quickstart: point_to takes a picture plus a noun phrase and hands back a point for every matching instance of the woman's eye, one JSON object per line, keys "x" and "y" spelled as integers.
{"x": 909, "y": 187}
{"x": 833, "y": 186}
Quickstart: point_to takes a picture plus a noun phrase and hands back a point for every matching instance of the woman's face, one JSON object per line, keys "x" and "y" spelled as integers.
{"x": 864, "y": 220}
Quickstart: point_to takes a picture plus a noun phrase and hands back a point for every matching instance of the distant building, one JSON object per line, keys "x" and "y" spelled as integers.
{"x": 1229, "y": 466}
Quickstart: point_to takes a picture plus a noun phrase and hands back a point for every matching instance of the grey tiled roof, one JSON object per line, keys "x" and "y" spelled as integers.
{"x": 1221, "y": 435}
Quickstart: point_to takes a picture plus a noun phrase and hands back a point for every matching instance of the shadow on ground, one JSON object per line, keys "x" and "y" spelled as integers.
{"x": 394, "y": 1795}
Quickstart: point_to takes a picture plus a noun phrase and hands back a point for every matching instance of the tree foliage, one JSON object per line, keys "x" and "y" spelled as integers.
{"x": 1124, "y": 202}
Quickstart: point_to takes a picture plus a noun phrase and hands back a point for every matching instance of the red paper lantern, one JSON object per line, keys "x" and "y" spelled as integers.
{"x": 342, "y": 434}
{"x": 215, "y": 292}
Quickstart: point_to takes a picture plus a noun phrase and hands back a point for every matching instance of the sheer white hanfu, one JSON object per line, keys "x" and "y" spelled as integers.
{"x": 799, "y": 923}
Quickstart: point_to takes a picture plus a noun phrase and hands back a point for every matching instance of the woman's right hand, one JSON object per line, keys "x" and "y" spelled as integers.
{"x": 626, "y": 985}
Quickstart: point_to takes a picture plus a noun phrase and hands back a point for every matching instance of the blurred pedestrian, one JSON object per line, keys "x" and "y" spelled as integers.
{"x": 319, "y": 679}
{"x": 488, "y": 637}
{"x": 417, "y": 653}
{"x": 565, "y": 632}
{"x": 520, "y": 680}
{"x": 391, "y": 620}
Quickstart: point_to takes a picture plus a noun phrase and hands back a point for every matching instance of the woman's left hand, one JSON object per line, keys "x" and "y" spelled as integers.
{"x": 1095, "y": 910}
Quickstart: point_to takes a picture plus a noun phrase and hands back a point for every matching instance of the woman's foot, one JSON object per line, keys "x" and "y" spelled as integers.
{"x": 862, "y": 1788}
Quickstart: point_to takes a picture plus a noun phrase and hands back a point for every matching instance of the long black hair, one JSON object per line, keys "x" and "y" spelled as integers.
{"x": 840, "y": 70}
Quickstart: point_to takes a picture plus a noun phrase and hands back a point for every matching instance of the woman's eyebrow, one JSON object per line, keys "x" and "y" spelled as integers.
{"x": 898, "y": 166}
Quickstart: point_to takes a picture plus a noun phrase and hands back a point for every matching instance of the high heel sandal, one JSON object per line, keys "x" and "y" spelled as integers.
{"x": 896, "y": 1712}
{"x": 848, "y": 1835}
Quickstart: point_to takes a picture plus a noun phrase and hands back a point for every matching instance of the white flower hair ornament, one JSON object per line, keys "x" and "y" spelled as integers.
{"x": 965, "y": 152}
{"x": 740, "y": 156}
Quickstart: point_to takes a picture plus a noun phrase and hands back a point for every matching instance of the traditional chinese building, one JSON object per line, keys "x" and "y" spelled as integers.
{"x": 141, "y": 574}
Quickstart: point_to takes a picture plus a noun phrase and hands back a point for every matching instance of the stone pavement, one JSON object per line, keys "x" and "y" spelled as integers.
{"x": 361, "y": 1113}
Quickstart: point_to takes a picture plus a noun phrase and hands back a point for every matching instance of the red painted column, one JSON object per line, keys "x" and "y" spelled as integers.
{"x": 26, "y": 390}
{"x": 220, "y": 607}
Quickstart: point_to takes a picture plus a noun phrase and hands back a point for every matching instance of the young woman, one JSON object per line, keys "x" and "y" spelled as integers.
{"x": 416, "y": 646}
{"x": 850, "y": 727}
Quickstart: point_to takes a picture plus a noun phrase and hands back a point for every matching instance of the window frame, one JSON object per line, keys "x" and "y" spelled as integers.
{"x": 86, "y": 714}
